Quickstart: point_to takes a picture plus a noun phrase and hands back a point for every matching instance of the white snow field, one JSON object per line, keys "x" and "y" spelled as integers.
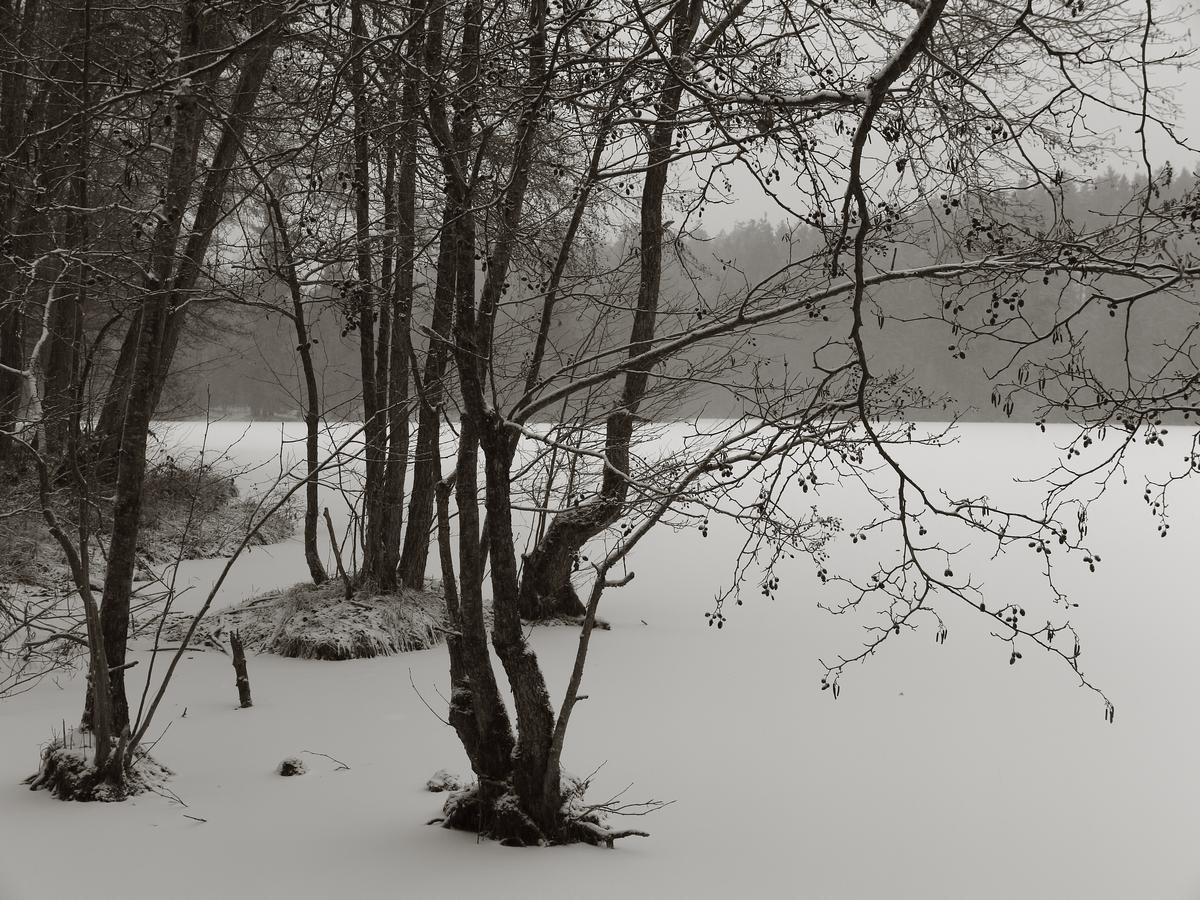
{"x": 941, "y": 772}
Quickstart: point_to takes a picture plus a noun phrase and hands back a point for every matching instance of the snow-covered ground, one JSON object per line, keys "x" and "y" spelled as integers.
{"x": 941, "y": 772}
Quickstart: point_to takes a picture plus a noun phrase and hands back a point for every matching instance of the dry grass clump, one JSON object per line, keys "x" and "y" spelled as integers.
{"x": 318, "y": 622}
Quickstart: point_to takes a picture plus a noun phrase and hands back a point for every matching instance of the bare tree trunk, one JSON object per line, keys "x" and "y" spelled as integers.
{"x": 373, "y": 419}
{"x": 462, "y": 703}
{"x": 538, "y": 788}
{"x": 66, "y": 322}
{"x": 106, "y": 762}
{"x": 312, "y": 453}
{"x": 19, "y": 35}
{"x": 266, "y": 18}
{"x": 402, "y": 295}
{"x": 107, "y": 434}
{"x": 546, "y": 589}
{"x": 396, "y": 464}
{"x": 99, "y": 702}
{"x": 241, "y": 677}
{"x": 426, "y": 462}
{"x": 478, "y": 712}
{"x": 131, "y": 458}
{"x": 131, "y": 474}
{"x": 312, "y": 397}
{"x": 12, "y": 354}
{"x": 538, "y": 791}
{"x": 414, "y": 553}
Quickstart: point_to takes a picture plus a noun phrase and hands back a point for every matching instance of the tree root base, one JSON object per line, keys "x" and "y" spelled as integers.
{"x": 67, "y": 772}
{"x": 497, "y": 814}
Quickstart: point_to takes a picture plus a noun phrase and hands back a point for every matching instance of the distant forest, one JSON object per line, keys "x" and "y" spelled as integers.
{"x": 239, "y": 363}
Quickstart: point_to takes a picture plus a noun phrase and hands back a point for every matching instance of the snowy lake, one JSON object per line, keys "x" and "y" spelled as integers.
{"x": 940, "y": 772}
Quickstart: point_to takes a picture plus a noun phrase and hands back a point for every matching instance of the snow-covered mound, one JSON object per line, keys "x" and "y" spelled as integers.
{"x": 66, "y": 770}
{"x": 318, "y": 622}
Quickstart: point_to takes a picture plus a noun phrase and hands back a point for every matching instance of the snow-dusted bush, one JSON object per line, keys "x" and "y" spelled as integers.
{"x": 318, "y": 622}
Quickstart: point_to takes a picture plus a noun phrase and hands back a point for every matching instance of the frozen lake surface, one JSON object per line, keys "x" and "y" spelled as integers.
{"x": 941, "y": 772}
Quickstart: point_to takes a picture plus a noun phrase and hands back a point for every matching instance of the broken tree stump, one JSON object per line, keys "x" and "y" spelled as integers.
{"x": 239, "y": 669}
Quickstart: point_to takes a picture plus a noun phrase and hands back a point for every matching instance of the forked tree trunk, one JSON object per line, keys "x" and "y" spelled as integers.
{"x": 108, "y": 760}
{"x": 536, "y": 778}
{"x": 536, "y": 787}
{"x": 110, "y": 747}
{"x": 480, "y": 716}
{"x": 546, "y": 589}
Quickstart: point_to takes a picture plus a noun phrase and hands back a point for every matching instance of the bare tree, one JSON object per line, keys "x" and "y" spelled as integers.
{"x": 444, "y": 174}
{"x": 876, "y": 118}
